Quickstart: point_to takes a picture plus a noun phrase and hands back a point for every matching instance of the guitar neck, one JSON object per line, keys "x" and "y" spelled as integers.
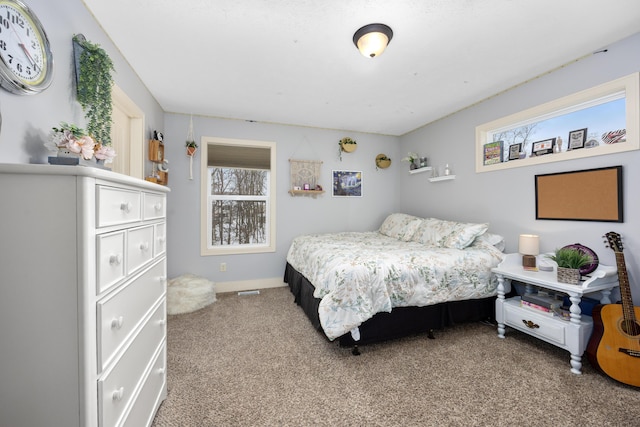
{"x": 625, "y": 288}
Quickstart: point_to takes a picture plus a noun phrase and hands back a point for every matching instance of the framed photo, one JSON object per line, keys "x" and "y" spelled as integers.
{"x": 347, "y": 183}
{"x": 543, "y": 147}
{"x": 514, "y": 151}
{"x": 493, "y": 152}
{"x": 577, "y": 139}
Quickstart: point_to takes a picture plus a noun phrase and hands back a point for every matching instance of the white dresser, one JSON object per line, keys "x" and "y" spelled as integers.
{"x": 82, "y": 297}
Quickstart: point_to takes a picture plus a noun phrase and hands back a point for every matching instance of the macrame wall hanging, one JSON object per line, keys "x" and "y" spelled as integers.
{"x": 305, "y": 177}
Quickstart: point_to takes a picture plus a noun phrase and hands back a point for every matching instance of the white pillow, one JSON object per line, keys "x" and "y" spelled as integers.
{"x": 400, "y": 226}
{"x": 440, "y": 233}
{"x": 494, "y": 240}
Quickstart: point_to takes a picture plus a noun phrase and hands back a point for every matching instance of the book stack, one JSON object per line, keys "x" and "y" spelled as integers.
{"x": 541, "y": 303}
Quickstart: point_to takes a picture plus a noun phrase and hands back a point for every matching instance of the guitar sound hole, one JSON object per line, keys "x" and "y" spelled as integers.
{"x": 630, "y": 327}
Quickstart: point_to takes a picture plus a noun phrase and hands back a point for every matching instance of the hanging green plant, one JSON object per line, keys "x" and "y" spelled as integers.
{"x": 94, "y": 83}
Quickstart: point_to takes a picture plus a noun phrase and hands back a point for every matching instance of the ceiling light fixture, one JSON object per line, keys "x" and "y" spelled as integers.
{"x": 372, "y": 39}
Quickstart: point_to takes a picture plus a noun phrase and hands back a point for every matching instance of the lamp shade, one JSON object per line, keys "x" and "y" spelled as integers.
{"x": 529, "y": 244}
{"x": 371, "y": 40}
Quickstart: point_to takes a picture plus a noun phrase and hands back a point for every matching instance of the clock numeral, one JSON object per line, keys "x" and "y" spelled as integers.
{"x": 4, "y": 23}
{"x": 3, "y": 45}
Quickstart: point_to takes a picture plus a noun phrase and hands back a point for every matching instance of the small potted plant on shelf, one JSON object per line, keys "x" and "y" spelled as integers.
{"x": 569, "y": 261}
{"x": 412, "y": 158}
{"x": 191, "y": 148}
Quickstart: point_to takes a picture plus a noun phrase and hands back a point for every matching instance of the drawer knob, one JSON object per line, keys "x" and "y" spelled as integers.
{"x": 118, "y": 394}
{"x": 158, "y": 206}
{"x": 529, "y": 324}
{"x": 117, "y": 322}
{"x": 162, "y": 239}
{"x": 115, "y": 259}
{"x": 126, "y": 207}
{"x": 161, "y": 371}
{"x": 144, "y": 246}
{"x": 162, "y": 322}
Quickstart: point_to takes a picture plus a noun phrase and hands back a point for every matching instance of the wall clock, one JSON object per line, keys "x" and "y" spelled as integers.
{"x": 26, "y": 61}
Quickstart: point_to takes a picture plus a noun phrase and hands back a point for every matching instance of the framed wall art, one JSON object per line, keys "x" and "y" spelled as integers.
{"x": 347, "y": 183}
{"x": 584, "y": 195}
{"x": 515, "y": 150}
{"x": 543, "y": 147}
{"x": 493, "y": 152}
{"x": 577, "y": 138}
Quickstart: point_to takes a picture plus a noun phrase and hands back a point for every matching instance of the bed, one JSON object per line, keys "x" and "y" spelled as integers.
{"x": 412, "y": 275}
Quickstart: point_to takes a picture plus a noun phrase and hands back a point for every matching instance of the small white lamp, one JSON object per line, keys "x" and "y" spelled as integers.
{"x": 529, "y": 247}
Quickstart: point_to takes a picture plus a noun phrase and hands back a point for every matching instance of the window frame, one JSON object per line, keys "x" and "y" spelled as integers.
{"x": 629, "y": 85}
{"x": 205, "y": 222}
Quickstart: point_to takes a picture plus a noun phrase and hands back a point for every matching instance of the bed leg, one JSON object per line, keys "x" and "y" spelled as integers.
{"x": 430, "y": 335}
{"x": 355, "y": 351}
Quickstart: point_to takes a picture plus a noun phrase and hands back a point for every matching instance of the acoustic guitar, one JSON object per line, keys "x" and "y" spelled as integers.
{"x": 614, "y": 346}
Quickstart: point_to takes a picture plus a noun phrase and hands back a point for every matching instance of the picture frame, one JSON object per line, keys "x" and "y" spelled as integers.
{"x": 347, "y": 183}
{"x": 545, "y": 146}
{"x": 577, "y": 138}
{"x": 493, "y": 152}
{"x": 515, "y": 150}
{"x": 583, "y": 195}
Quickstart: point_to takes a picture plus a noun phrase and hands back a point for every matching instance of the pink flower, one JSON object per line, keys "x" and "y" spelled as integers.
{"x": 105, "y": 152}
{"x": 83, "y": 145}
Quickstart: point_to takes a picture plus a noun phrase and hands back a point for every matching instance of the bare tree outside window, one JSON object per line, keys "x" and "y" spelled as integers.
{"x": 239, "y": 204}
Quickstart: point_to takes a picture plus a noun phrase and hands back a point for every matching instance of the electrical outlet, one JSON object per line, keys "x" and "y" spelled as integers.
{"x": 223, "y": 266}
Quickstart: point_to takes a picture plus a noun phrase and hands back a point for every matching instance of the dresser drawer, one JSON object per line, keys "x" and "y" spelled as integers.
{"x": 541, "y": 325}
{"x": 139, "y": 247}
{"x": 154, "y": 206}
{"x": 117, "y": 388}
{"x": 120, "y": 314}
{"x": 117, "y": 206}
{"x": 110, "y": 260}
{"x": 160, "y": 239}
{"x": 150, "y": 395}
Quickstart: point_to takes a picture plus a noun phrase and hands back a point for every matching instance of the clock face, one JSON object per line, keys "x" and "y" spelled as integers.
{"x": 26, "y": 62}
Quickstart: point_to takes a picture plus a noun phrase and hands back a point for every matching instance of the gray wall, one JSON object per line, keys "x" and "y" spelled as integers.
{"x": 27, "y": 120}
{"x": 506, "y": 199}
{"x": 503, "y": 198}
{"x": 295, "y": 215}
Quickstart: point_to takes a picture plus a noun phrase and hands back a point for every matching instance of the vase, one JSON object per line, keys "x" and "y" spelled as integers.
{"x": 415, "y": 164}
{"x": 65, "y": 152}
{"x": 570, "y": 276}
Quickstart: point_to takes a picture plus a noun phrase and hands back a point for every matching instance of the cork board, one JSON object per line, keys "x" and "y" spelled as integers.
{"x": 586, "y": 195}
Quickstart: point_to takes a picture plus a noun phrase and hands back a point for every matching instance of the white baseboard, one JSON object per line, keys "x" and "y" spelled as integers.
{"x": 249, "y": 285}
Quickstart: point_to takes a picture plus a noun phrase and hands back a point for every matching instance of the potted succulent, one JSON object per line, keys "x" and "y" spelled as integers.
{"x": 94, "y": 82}
{"x": 569, "y": 261}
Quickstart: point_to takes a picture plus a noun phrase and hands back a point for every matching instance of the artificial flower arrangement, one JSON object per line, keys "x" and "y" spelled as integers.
{"x": 410, "y": 158}
{"x": 76, "y": 140}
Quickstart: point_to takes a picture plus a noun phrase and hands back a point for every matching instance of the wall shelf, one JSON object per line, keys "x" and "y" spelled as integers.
{"x": 442, "y": 178}
{"x": 313, "y": 193}
{"x": 420, "y": 170}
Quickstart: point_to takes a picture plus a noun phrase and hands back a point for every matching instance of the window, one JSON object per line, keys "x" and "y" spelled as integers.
{"x": 238, "y": 203}
{"x": 603, "y": 120}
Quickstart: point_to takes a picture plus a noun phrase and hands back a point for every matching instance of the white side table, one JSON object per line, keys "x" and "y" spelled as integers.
{"x": 572, "y": 335}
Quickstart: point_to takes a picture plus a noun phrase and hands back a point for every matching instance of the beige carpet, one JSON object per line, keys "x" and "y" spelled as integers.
{"x": 256, "y": 361}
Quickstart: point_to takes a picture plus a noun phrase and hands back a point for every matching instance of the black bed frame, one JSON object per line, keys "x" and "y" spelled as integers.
{"x": 402, "y": 321}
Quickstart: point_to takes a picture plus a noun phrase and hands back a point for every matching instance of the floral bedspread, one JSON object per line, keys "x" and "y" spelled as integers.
{"x": 358, "y": 274}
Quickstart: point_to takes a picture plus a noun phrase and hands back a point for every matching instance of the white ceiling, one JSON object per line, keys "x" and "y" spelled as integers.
{"x": 294, "y": 62}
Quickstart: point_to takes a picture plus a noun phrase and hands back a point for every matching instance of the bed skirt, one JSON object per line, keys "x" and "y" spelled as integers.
{"x": 402, "y": 321}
